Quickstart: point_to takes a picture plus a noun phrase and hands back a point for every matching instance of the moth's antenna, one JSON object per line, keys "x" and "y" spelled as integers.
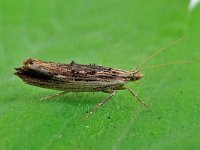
{"x": 168, "y": 64}
{"x": 160, "y": 50}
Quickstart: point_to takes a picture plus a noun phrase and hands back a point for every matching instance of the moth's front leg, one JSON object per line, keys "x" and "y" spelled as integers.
{"x": 138, "y": 98}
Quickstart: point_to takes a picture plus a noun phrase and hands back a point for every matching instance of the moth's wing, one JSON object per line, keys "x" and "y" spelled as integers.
{"x": 33, "y": 73}
{"x": 71, "y": 77}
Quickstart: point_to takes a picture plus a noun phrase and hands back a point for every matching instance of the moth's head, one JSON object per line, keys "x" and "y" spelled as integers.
{"x": 136, "y": 75}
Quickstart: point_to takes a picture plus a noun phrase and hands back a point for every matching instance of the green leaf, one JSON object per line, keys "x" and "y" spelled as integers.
{"x": 119, "y": 34}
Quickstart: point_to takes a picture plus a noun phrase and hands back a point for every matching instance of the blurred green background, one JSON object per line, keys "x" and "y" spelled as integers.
{"x": 112, "y": 33}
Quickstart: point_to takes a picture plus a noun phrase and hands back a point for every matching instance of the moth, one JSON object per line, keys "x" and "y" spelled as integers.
{"x": 75, "y": 77}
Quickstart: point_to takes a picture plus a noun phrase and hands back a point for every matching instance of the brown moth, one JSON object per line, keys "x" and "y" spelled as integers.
{"x": 75, "y": 77}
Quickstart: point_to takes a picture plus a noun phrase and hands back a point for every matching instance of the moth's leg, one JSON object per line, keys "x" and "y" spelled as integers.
{"x": 112, "y": 93}
{"x": 138, "y": 98}
{"x": 54, "y": 96}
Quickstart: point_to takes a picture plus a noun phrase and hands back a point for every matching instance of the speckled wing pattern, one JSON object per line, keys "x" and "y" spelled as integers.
{"x": 72, "y": 77}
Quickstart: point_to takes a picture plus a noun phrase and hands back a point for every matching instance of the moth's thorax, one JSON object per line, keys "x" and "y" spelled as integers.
{"x": 135, "y": 75}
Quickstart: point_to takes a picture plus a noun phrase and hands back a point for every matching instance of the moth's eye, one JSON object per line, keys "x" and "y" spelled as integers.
{"x": 132, "y": 78}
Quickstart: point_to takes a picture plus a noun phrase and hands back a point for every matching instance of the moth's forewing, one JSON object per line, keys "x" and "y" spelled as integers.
{"x": 72, "y": 77}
